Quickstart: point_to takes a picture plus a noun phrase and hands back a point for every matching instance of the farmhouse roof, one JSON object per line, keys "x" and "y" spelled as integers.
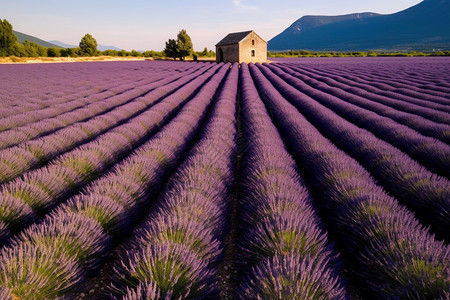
{"x": 233, "y": 38}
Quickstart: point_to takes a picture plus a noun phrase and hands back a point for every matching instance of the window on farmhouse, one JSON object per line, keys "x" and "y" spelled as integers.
{"x": 253, "y": 53}
{"x": 253, "y": 42}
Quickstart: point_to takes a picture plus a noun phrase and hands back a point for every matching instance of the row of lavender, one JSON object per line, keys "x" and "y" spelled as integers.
{"x": 284, "y": 251}
{"x": 385, "y": 250}
{"x": 286, "y": 223}
{"x": 39, "y": 142}
{"x": 422, "y": 79}
{"x": 63, "y": 87}
{"x": 426, "y": 193}
{"x": 423, "y": 149}
{"x": 57, "y": 101}
{"x": 175, "y": 253}
{"x": 425, "y": 96}
{"x": 25, "y": 199}
{"x": 40, "y": 122}
{"x": 429, "y": 121}
{"x": 54, "y": 257}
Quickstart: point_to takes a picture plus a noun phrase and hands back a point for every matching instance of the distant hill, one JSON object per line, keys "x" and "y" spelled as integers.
{"x": 99, "y": 47}
{"x": 103, "y": 48}
{"x": 61, "y": 44}
{"x": 22, "y": 37}
{"x": 423, "y": 27}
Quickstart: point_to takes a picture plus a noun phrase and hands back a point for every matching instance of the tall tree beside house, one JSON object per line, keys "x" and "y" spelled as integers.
{"x": 88, "y": 45}
{"x": 171, "y": 49}
{"x": 184, "y": 43}
{"x": 7, "y": 38}
{"x": 181, "y": 47}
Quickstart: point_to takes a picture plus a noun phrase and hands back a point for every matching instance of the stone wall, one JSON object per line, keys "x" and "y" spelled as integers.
{"x": 246, "y": 47}
{"x": 230, "y": 53}
{"x": 242, "y": 52}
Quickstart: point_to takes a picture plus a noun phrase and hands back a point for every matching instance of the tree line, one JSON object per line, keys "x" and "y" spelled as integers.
{"x": 370, "y": 53}
{"x": 9, "y": 46}
{"x": 182, "y": 47}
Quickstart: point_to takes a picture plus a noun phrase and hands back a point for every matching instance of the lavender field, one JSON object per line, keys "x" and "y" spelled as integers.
{"x": 298, "y": 179}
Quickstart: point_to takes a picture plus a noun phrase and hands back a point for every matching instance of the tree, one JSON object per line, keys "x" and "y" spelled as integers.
{"x": 111, "y": 52}
{"x": 7, "y": 38}
{"x": 88, "y": 45}
{"x": 206, "y": 53}
{"x": 152, "y": 53}
{"x": 184, "y": 44}
{"x": 68, "y": 52}
{"x": 135, "y": 53}
{"x": 171, "y": 49}
{"x": 30, "y": 49}
{"x": 123, "y": 53}
{"x": 53, "y": 52}
{"x": 18, "y": 50}
{"x": 181, "y": 47}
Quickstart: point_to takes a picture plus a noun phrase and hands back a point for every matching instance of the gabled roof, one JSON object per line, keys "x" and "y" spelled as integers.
{"x": 233, "y": 38}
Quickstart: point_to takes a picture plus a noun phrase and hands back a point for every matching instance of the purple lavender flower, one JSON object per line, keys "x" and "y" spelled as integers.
{"x": 291, "y": 277}
{"x": 372, "y": 229}
{"x": 174, "y": 268}
{"x": 35, "y": 271}
{"x": 73, "y": 235}
{"x": 145, "y": 291}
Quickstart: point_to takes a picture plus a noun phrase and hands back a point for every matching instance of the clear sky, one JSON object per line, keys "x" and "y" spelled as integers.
{"x": 147, "y": 25}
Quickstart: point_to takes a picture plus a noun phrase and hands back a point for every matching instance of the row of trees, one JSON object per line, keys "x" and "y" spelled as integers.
{"x": 370, "y": 53}
{"x": 30, "y": 49}
{"x": 10, "y": 46}
{"x": 179, "y": 48}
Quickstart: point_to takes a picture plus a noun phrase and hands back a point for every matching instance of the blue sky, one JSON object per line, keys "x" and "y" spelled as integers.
{"x": 146, "y": 25}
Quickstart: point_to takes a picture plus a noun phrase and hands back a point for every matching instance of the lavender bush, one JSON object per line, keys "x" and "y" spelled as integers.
{"x": 190, "y": 215}
{"x": 425, "y": 193}
{"x": 380, "y": 240}
{"x": 379, "y": 104}
{"x": 54, "y": 182}
{"x": 279, "y": 220}
{"x": 86, "y": 241}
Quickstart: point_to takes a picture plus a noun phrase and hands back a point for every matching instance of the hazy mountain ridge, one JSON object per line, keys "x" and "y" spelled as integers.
{"x": 425, "y": 26}
{"x": 22, "y": 37}
{"x": 308, "y": 22}
{"x": 99, "y": 47}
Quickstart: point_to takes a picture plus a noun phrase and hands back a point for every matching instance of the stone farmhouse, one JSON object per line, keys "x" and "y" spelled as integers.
{"x": 240, "y": 47}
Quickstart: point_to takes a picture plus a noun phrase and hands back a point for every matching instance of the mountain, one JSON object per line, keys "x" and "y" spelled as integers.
{"x": 309, "y": 22}
{"x": 22, "y": 37}
{"x": 99, "y": 47}
{"x": 103, "y": 48}
{"x": 61, "y": 44}
{"x": 423, "y": 27}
